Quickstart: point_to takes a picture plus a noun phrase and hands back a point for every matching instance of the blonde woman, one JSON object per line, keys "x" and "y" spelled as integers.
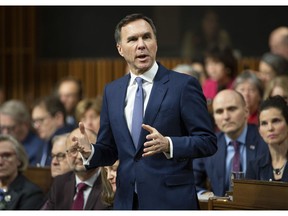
{"x": 278, "y": 86}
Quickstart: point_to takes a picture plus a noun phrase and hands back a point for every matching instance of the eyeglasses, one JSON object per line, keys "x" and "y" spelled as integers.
{"x": 72, "y": 152}
{"x": 6, "y": 155}
{"x": 59, "y": 156}
{"x": 38, "y": 121}
{"x": 8, "y": 128}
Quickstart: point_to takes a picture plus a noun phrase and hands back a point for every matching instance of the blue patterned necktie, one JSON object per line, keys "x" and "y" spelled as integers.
{"x": 137, "y": 118}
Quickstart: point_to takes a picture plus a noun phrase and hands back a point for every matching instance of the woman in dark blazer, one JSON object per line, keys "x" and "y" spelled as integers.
{"x": 273, "y": 127}
{"x": 16, "y": 191}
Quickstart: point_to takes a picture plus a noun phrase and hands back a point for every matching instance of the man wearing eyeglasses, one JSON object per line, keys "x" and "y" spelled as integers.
{"x": 15, "y": 121}
{"x": 64, "y": 191}
{"x": 48, "y": 118}
{"x": 59, "y": 163}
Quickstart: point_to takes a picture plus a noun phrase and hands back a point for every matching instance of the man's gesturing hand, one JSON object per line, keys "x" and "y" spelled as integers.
{"x": 82, "y": 142}
{"x": 156, "y": 142}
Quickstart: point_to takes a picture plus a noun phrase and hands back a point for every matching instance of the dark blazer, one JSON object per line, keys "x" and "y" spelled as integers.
{"x": 23, "y": 195}
{"x": 261, "y": 169}
{"x": 63, "y": 191}
{"x": 176, "y": 108}
{"x": 214, "y": 168}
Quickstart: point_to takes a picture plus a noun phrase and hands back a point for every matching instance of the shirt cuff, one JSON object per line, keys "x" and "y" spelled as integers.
{"x": 169, "y": 155}
{"x": 87, "y": 161}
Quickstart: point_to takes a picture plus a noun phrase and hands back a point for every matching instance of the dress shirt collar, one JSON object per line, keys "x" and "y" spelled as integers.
{"x": 90, "y": 181}
{"x": 148, "y": 76}
{"x": 241, "y": 139}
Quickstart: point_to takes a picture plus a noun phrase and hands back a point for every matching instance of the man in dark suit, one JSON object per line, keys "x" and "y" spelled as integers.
{"x": 230, "y": 113}
{"x": 64, "y": 190}
{"x": 155, "y": 170}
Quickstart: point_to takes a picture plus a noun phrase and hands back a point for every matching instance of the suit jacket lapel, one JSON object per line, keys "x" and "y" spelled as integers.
{"x": 251, "y": 145}
{"x": 156, "y": 97}
{"x": 69, "y": 194}
{"x": 94, "y": 196}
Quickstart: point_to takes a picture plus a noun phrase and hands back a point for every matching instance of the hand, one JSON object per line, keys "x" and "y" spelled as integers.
{"x": 82, "y": 142}
{"x": 156, "y": 143}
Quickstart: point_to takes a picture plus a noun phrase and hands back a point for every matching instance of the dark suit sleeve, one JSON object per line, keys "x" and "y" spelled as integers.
{"x": 200, "y": 140}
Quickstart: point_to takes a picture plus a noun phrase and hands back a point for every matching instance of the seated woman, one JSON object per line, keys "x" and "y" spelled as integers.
{"x": 16, "y": 191}
{"x": 252, "y": 89}
{"x": 88, "y": 111}
{"x": 277, "y": 86}
{"x": 108, "y": 175}
{"x": 273, "y": 128}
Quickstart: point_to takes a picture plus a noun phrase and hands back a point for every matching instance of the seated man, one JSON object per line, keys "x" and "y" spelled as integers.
{"x": 65, "y": 190}
{"x": 16, "y": 191}
{"x": 15, "y": 120}
{"x": 236, "y": 139}
{"x": 59, "y": 163}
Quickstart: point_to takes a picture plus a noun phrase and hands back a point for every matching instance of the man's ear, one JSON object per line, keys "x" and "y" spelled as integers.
{"x": 119, "y": 48}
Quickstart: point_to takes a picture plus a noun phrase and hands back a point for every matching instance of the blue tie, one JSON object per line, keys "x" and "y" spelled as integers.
{"x": 137, "y": 118}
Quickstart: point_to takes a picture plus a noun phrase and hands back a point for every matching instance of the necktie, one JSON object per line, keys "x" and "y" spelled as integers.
{"x": 236, "y": 158}
{"x": 78, "y": 203}
{"x": 1, "y": 194}
{"x": 137, "y": 112}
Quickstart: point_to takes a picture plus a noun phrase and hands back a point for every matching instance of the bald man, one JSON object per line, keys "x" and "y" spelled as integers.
{"x": 230, "y": 114}
{"x": 278, "y": 41}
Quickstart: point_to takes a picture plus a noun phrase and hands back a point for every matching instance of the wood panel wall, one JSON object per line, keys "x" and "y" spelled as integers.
{"x": 94, "y": 74}
{"x": 24, "y": 77}
{"x": 17, "y": 51}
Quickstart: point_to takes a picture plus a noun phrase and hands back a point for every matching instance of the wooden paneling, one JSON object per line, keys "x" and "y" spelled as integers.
{"x": 17, "y": 51}
{"x": 40, "y": 176}
{"x": 25, "y": 77}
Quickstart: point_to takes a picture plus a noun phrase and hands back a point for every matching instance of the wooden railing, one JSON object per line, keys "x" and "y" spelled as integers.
{"x": 94, "y": 74}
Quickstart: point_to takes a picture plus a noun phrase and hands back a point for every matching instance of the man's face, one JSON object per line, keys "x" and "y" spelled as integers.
{"x": 138, "y": 46}
{"x": 73, "y": 156}
{"x": 8, "y": 160}
{"x": 8, "y": 125}
{"x": 69, "y": 95}
{"x": 59, "y": 163}
{"x": 229, "y": 112}
{"x": 43, "y": 122}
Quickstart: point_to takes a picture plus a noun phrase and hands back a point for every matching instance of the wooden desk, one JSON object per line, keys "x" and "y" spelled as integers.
{"x": 253, "y": 194}
{"x": 40, "y": 176}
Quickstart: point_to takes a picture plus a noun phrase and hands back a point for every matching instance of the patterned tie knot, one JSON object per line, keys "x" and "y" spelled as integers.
{"x": 236, "y": 145}
{"x": 82, "y": 186}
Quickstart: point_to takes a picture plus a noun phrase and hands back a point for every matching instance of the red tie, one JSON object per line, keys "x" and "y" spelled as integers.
{"x": 78, "y": 203}
{"x": 236, "y": 158}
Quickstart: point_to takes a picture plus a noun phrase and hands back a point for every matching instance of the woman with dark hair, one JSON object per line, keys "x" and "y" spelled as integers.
{"x": 273, "y": 128}
{"x": 270, "y": 66}
{"x": 221, "y": 68}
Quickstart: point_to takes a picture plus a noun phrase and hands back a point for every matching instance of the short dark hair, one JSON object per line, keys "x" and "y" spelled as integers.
{"x": 128, "y": 19}
{"x": 52, "y": 104}
{"x": 225, "y": 55}
{"x": 276, "y": 102}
